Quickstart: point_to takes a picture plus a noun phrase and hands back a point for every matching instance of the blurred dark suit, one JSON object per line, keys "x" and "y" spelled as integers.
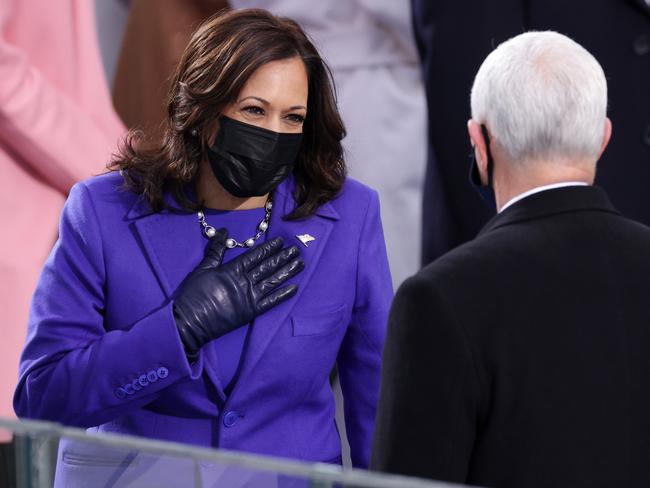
{"x": 521, "y": 359}
{"x": 455, "y": 37}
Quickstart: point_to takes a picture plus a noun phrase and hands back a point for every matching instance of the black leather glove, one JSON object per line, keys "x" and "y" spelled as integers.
{"x": 215, "y": 299}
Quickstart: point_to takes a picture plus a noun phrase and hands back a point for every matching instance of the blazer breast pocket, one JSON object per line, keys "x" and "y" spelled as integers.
{"x": 318, "y": 322}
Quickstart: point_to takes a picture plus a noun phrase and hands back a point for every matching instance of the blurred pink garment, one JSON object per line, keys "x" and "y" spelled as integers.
{"x": 57, "y": 126}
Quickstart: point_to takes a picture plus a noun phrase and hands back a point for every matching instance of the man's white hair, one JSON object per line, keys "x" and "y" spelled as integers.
{"x": 542, "y": 96}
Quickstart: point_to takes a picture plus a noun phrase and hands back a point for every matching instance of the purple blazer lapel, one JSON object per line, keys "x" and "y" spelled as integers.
{"x": 318, "y": 227}
{"x": 164, "y": 238}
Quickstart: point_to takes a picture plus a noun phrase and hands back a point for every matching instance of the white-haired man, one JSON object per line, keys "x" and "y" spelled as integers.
{"x": 522, "y": 358}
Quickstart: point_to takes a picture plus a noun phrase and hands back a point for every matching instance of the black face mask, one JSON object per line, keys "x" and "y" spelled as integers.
{"x": 485, "y": 191}
{"x": 250, "y": 161}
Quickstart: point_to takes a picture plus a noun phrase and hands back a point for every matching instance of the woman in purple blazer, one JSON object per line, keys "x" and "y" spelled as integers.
{"x": 204, "y": 293}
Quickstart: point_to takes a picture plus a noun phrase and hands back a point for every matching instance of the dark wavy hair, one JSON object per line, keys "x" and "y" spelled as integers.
{"x": 220, "y": 57}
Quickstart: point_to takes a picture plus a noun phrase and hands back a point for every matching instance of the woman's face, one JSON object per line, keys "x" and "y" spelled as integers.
{"x": 274, "y": 97}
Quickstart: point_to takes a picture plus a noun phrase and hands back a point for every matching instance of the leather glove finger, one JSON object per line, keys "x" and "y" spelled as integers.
{"x": 258, "y": 254}
{"x": 276, "y": 298}
{"x": 281, "y": 275}
{"x": 215, "y": 250}
{"x": 270, "y": 265}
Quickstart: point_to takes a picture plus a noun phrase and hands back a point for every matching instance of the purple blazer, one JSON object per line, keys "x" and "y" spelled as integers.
{"x": 103, "y": 352}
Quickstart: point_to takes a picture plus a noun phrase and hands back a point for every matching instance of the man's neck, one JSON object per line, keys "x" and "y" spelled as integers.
{"x": 515, "y": 183}
{"x": 540, "y": 189}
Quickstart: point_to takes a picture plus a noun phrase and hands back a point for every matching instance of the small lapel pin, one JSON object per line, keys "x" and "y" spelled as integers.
{"x": 305, "y": 239}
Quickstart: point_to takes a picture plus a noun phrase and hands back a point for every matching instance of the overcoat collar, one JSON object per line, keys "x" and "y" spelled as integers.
{"x": 163, "y": 237}
{"x": 551, "y": 202}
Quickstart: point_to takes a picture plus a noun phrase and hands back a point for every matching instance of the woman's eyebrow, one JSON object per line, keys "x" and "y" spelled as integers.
{"x": 266, "y": 102}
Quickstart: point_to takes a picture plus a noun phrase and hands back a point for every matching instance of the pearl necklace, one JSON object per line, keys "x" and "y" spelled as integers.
{"x": 210, "y": 232}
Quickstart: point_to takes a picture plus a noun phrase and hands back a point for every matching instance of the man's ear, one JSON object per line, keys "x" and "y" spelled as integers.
{"x": 480, "y": 148}
{"x": 607, "y": 135}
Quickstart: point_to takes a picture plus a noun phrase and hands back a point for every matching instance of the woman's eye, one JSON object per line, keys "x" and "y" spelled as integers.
{"x": 296, "y": 118}
{"x": 253, "y": 110}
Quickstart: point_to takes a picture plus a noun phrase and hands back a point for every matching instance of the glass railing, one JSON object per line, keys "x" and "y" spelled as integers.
{"x": 43, "y": 454}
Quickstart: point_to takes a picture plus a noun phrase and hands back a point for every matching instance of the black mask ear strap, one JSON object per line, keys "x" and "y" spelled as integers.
{"x": 490, "y": 161}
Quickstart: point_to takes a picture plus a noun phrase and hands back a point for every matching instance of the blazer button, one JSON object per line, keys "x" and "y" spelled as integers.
{"x": 642, "y": 45}
{"x": 646, "y": 135}
{"x": 143, "y": 380}
{"x": 162, "y": 373}
{"x": 128, "y": 389}
{"x": 152, "y": 376}
{"x": 230, "y": 419}
{"x": 136, "y": 386}
{"x": 120, "y": 393}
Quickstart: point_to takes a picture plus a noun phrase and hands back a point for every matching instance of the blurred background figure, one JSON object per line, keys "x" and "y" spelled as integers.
{"x": 616, "y": 32}
{"x": 369, "y": 46}
{"x": 57, "y": 126}
{"x": 155, "y": 36}
{"x": 111, "y": 17}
